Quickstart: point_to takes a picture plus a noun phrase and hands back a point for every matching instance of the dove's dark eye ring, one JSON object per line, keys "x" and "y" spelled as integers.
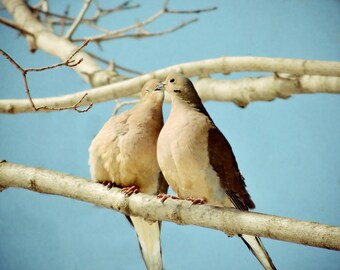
{"x": 172, "y": 80}
{"x": 177, "y": 91}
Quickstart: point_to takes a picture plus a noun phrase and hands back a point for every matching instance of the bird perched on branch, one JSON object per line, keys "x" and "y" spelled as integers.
{"x": 198, "y": 162}
{"x": 123, "y": 154}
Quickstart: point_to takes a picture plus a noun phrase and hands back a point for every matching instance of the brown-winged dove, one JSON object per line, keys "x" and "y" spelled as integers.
{"x": 198, "y": 162}
{"x": 123, "y": 154}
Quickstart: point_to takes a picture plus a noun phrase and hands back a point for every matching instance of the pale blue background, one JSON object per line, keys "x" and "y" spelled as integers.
{"x": 288, "y": 150}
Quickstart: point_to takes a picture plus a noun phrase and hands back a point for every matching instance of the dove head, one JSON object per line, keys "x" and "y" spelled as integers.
{"x": 182, "y": 88}
{"x": 153, "y": 90}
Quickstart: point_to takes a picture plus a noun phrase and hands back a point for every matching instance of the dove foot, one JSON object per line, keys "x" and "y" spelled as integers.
{"x": 107, "y": 184}
{"x": 196, "y": 200}
{"x": 164, "y": 197}
{"x": 128, "y": 191}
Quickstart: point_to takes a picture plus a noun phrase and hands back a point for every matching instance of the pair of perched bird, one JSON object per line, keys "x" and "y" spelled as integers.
{"x": 136, "y": 152}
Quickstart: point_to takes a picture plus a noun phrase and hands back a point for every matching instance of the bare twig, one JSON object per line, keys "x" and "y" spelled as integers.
{"x": 23, "y": 73}
{"x": 69, "y": 63}
{"x": 99, "y": 29}
{"x": 123, "y": 30}
{"x": 176, "y": 11}
{"x": 120, "y": 104}
{"x": 15, "y": 26}
{"x": 116, "y": 65}
{"x": 48, "y": 41}
{"x": 103, "y": 12}
{"x": 139, "y": 26}
{"x": 77, "y": 21}
{"x": 63, "y": 21}
{"x": 67, "y": 20}
{"x": 60, "y": 47}
{"x": 45, "y": 7}
{"x": 142, "y": 33}
{"x": 74, "y": 106}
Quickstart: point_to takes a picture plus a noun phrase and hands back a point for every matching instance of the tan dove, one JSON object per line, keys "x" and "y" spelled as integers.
{"x": 198, "y": 162}
{"x": 123, "y": 154}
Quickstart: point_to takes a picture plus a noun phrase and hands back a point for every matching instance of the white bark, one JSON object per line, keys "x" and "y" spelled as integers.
{"x": 230, "y": 221}
{"x": 247, "y": 90}
{"x": 77, "y": 21}
{"x": 240, "y": 91}
{"x": 54, "y": 45}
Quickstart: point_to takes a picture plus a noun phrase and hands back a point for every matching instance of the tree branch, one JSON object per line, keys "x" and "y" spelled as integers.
{"x": 15, "y": 26}
{"x": 230, "y": 221}
{"x": 135, "y": 72}
{"x": 246, "y": 90}
{"x": 139, "y": 26}
{"x": 55, "y": 45}
{"x": 175, "y": 11}
{"x": 77, "y": 21}
{"x": 120, "y": 104}
{"x": 45, "y": 39}
{"x": 100, "y": 12}
{"x": 69, "y": 63}
{"x": 141, "y": 33}
{"x": 241, "y": 92}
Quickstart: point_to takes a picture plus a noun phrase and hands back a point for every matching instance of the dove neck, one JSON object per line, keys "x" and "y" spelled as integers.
{"x": 196, "y": 104}
{"x": 150, "y": 109}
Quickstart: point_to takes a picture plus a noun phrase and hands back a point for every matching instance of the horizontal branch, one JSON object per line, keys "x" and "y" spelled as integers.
{"x": 246, "y": 90}
{"x": 239, "y": 91}
{"x": 230, "y": 221}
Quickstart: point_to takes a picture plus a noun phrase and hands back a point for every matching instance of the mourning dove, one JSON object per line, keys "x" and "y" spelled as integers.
{"x": 123, "y": 154}
{"x": 198, "y": 162}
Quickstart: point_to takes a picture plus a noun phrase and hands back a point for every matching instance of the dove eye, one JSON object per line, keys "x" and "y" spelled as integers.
{"x": 172, "y": 80}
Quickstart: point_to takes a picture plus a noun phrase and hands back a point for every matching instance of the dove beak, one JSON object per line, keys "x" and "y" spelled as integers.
{"x": 159, "y": 87}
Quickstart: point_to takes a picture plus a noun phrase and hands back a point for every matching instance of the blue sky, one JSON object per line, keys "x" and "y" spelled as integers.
{"x": 288, "y": 150}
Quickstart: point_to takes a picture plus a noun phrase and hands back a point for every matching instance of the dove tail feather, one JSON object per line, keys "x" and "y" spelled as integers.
{"x": 149, "y": 242}
{"x": 256, "y": 247}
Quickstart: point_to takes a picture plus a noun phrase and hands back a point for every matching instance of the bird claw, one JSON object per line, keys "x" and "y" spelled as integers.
{"x": 164, "y": 197}
{"x": 128, "y": 191}
{"x": 196, "y": 200}
{"x": 107, "y": 184}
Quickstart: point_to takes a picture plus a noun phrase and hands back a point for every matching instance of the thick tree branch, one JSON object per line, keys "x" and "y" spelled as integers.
{"x": 54, "y": 45}
{"x": 239, "y": 91}
{"x": 230, "y": 221}
{"x": 246, "y": 90}
{"x": 62, "y": 47}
